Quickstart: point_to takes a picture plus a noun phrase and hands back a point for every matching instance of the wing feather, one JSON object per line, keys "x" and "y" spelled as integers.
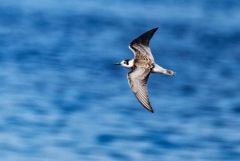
{"x": 137, "y": 79}
{"x": 140, "y": 45}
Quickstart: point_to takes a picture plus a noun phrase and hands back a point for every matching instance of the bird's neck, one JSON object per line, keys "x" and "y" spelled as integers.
{"x": 128, "y": 64}
{"x": 131, "y": 63}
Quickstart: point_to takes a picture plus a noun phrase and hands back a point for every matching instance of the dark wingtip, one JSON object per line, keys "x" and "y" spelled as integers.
{"x": 155, "y": 29}
{"x": 145, "y": 37}
{"x": 151, "y": 111}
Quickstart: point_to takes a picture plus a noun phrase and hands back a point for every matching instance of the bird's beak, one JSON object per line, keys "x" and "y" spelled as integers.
{"x": 117, "y": 64}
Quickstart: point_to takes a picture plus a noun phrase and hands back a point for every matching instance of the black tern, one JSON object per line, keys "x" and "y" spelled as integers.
{"x": 141, "y": 66}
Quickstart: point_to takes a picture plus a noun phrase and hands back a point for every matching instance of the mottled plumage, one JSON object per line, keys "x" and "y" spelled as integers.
{"x": 141, "y": 67}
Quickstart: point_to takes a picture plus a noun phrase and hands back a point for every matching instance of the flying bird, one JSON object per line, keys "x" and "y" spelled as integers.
{"x": 141, "y": 66}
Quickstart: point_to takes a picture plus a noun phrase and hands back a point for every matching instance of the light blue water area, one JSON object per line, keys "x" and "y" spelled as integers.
{"x": 63, "y": 99}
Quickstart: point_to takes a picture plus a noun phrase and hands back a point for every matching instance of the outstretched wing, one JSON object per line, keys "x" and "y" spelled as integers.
{"x": 137, "y": 79}
{"x": 140, "y": 45}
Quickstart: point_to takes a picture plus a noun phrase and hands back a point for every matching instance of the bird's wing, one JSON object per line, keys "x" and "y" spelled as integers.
{"x": 140, "y": 45}
{"x": 137, "y": 79}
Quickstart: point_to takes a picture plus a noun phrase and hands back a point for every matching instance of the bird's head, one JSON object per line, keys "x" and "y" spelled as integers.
{"x": 126, "y": 63}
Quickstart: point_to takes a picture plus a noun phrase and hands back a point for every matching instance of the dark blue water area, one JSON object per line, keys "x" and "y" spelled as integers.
{"x": 63, "y": 99}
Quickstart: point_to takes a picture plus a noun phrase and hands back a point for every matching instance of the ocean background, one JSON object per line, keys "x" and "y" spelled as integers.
{"x": 62, "y": 99}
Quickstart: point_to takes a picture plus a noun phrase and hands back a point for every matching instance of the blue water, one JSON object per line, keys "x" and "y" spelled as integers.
{"x": 55, "y": 106}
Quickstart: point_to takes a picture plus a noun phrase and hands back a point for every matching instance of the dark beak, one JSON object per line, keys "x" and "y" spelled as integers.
{"x": 117, "y": 64}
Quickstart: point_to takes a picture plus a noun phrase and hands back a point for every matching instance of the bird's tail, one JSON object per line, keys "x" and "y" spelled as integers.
{"x": 159, "y": 69}
{"x": 169, "y": 72}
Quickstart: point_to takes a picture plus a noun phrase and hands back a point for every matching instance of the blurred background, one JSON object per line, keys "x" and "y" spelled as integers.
{"x": 63, "y": 99}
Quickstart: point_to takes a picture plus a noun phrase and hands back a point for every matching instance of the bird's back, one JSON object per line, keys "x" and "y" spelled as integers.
{"x": 143, "y": 62}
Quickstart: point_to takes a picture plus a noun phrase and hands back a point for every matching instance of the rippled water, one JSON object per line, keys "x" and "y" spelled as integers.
{"x": 62, "y": 98}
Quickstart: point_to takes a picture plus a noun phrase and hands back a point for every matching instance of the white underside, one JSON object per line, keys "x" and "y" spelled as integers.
{"x": 159, "y": 69}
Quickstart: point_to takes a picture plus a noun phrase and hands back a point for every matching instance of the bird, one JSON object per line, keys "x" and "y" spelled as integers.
{"x": 141, "y": 66}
